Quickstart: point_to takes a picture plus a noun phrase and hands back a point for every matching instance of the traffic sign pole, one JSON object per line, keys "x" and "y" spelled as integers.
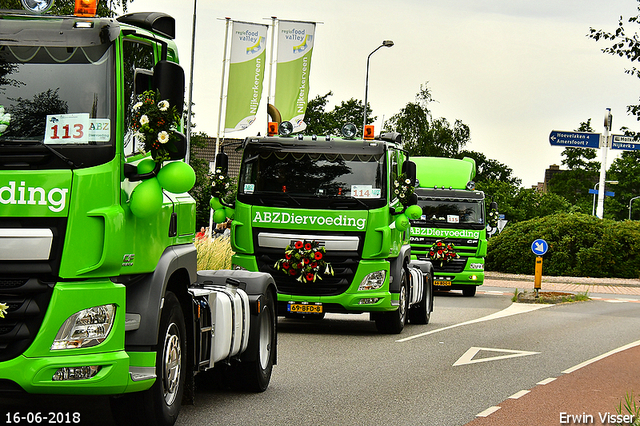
{"x": 608, "y": 119}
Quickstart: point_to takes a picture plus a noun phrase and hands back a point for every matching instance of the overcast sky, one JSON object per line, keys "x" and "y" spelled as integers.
{"x": 512, "y": 70}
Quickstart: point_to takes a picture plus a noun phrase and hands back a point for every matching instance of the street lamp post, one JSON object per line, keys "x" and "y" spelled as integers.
{"x": 631, "y": 201}
{"x": 385, "y": 43}
{"x": 595, "y": 187}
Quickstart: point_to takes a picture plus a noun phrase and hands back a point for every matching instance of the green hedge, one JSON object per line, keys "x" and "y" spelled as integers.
{"x": 579, "y": 245}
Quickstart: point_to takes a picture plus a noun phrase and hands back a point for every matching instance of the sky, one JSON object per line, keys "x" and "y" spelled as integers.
{"x": 512, "y": 70}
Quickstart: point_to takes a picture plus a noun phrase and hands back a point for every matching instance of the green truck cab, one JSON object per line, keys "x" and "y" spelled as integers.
{"x": 99, "y": 292}
{"x": 323, "y": 217}
{"x": 452, "y": 230}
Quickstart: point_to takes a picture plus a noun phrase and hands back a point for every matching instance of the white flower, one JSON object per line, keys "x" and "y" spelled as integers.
{"x": 163, "y": 137}
{"x": 144, "y": 120}
{"x": 137, "y": 106}
{"x": 408, "y": 181}
{"x": 163, "y": 105}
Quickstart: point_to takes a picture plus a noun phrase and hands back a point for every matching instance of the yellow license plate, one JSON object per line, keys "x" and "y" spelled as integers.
{"x": 442, "y": 283}
{"x": 305, "y": 308}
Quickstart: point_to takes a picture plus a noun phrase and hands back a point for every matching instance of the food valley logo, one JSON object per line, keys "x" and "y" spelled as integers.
{"x": 3, "y": 309}
{"x": 22, "y": 194}
{"x": 300, "y": 37}
{"x": 251, "y": 36}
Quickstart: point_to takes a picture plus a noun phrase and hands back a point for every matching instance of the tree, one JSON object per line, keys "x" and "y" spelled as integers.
{"x": 322, "y": 122}
{"x": 624, "y": 45}
{"x": 65, "y": 7}
{"x": 490, "y": 170}
{"x": 626, "y": 170}
{"x": 425, "y": 136}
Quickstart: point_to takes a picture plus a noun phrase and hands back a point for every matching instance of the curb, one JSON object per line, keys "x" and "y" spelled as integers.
{"x": 613, "y": 282}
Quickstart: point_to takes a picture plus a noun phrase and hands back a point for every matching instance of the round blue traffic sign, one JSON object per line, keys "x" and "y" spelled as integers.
{"x": 539, "y": 247}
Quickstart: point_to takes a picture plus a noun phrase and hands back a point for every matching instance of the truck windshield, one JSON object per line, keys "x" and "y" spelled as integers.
{"x": 312, "y": 180}
{"x": 446, "y": 213}
{"x": 61, "y": 97}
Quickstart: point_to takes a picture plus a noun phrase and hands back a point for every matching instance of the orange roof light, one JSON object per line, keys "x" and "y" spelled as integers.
{"x": 272, "y": 128}
{"x": 86, "y": 8}
{"x": 368, "y": 132}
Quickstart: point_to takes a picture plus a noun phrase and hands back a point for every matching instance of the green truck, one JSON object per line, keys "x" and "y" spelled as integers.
{"x": 326, "y": 217}
{"x": 452, "y": 230}
{"x": 99, "y": 290}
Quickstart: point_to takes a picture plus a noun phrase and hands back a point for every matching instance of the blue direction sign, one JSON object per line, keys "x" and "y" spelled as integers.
{"x": 539, "y": 247}
{"x": 606, "y": 193}
{"x": 575, "y": 139}
{"x": 628, "y": 143}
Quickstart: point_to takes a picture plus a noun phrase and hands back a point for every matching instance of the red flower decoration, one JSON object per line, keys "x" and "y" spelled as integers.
{"x": 304, "y": 261}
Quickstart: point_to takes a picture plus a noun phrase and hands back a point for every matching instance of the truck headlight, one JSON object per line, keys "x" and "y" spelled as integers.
{"x": 476, "y": 266}
{"x": 373, "y": 281}
{"x": 86, "y": 328}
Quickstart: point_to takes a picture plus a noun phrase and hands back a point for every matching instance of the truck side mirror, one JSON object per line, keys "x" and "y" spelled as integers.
{"x": 181, "y": 147}
{"x": 222, "y": 161}
{"x": 168, "y": 79}
{"x": 142, "y": 80}
{"x": 409, "y": 169}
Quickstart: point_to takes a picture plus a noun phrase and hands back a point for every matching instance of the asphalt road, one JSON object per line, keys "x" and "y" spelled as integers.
{"x": 475, "y": 353}
{"x": 340, "y": 371}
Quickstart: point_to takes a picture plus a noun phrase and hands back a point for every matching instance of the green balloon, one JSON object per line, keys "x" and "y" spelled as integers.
{"x": 414, "y": 211}
{"x": 146, "y": 198}
{"x": 177, "y": 177}
{"x": 215, "y": 203}
{"x": 219, "y": 216}
{"x": 402, "y": 222}
{"x": 145, "y": 166}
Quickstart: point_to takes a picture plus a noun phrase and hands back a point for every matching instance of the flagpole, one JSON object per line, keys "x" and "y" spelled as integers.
{"x": 212, "y": 163}
{"x": 224, "y": 60}
{"x": 270, "y": 99}
{"x": 193, "y": 48}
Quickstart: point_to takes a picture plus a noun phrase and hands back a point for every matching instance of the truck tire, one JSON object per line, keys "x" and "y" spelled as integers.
{"x": 393, "y": 322}
{"x": 421, "y": 312}
{"x": 160, "y": 404}
{"x": 254, "y": 373}
{"x": 469, "y": 291}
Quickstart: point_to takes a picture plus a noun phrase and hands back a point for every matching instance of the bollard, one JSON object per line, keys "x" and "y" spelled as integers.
{"x": 538, "y": 277}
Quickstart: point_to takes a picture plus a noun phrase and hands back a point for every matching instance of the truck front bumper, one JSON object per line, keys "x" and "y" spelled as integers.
{"x": 103, "y": 369}
{"x": 352, "y": 300}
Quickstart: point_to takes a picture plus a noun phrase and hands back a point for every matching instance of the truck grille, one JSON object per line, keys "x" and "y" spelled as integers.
{"x": 44, "y": 269}
{"x": 344, "y": 269}
{"x": 420, "y": 246}
{"x": 27, "y": 300}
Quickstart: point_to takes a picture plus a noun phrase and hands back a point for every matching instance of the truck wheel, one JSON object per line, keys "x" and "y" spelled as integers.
{"x": 469, "y": 291}
{"x": 421, "y": 313}
{"x": 160, "y": 404}
{"x": 254, "y": 374}
{"x": 393, "y": 322}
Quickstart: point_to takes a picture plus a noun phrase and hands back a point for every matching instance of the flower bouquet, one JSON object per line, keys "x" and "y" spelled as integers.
{"x": 442, "y": 252}
{"x": 403, "y": 189}
{"x": 155, "y": 122}
{"x": 305, "y": 262}
{"x": 220, "y": 183}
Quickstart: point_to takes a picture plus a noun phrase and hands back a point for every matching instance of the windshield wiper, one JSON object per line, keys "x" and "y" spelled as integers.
{"x": 68, "y": 161}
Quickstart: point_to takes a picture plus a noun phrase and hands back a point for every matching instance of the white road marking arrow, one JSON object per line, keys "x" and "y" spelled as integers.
{"x": 467, "y": 358}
